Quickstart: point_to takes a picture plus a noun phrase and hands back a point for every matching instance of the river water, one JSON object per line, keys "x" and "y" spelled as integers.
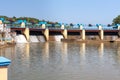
{"x": 63, "y": 61}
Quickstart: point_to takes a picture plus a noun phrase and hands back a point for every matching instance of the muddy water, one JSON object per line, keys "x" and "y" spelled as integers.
{"x": 64, "y": 61}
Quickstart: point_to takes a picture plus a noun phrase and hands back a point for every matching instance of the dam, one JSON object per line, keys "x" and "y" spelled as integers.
{"x": 43, "y": 34}
{"x": 21, "y": 32}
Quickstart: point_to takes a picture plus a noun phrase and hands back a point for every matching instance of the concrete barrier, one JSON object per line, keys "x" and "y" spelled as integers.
{"x": 4, "y": 62}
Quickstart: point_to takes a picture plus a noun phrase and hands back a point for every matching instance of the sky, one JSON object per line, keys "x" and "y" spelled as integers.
{"x": 63, "y": 11}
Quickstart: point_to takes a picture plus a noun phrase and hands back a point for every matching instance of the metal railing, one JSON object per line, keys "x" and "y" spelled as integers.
{"x": 68, "y": 27}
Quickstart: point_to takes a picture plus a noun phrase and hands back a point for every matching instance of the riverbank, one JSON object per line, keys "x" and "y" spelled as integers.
{"x": 4, "y": 45}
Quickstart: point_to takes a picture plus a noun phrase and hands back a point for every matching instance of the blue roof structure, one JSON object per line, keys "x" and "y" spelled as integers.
{"x": 61, "y": 23}
{"x": 4, "y": 61}
{"x": 86, "y": 27}
{"x": 20, "y": 21}
{"x": 2, "y": 19}
{"x": 42, "y": 23}
{"x": 118, "y": 24}
{"x": 107, "y": 27}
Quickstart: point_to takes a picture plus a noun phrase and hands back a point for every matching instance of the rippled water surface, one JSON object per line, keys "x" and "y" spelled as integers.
{"x": 64, "y": 61}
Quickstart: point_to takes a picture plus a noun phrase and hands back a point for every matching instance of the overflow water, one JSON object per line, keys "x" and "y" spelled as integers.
{"x": 63, "y": 61}
{"x": 20, "y": 39}
{"x": 58, "y": 37}
{"x": 34, "y": 39}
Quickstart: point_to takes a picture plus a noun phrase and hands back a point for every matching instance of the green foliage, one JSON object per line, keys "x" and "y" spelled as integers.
{"x": 116, "y": 20}
{"x": 5, "y": 17}
{"x": 34, "y": 22}
{"x": 29, "y": 19}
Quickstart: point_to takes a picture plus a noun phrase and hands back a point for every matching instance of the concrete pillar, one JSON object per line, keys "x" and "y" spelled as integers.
{"x": 83, "y": 34}
{"x": 22, "y": 25}
{"x": 46, "y": 34}
{"x": 99, "y": 27}
{"x": 4, "y": 68}
{"x": 119, "y": 34}
{"x": 62, "y": 27}
{"x": 65, "y": 33}
{"x": 101, "y": 34}
{"x": 119, "y": 30}
{"x": 118, "y": 27}
{"x": 43, "y": 26}
{"x": 81, "y": 27}
{"x": 27, "y": 34}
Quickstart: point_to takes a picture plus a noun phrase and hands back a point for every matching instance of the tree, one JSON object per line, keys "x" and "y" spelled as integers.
{"x": 71, "y": 25}
{"x": 109, "y": 25}
{"x": 89, "y": 25}
{"x": 5, "y": 17}
{"x": 11, "y": 20}
{"x": 116, "y": 20}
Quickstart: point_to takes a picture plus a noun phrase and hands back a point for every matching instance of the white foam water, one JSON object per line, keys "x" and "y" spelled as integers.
{"x": 58, "y": 37}
{"x": 20, "y": 39}
{"x": 34, "y": 39}
{"x": 41, "y": 38}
